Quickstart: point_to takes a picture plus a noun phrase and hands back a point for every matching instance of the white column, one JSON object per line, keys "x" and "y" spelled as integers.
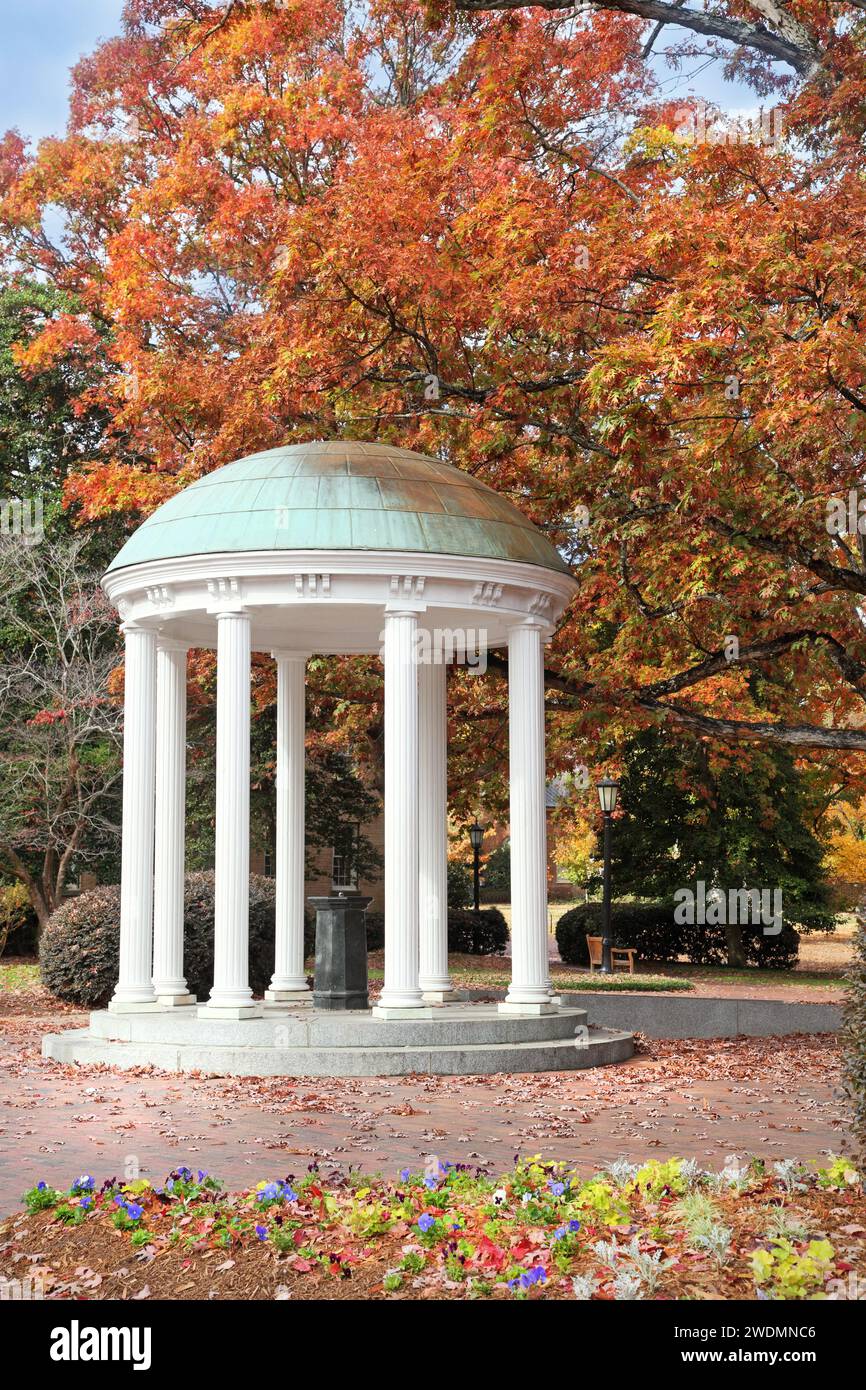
{"x": 289, "y": 983}
{"x": 169, "y": 842}
{"x": 400, "y": 994}
{"x": 231, "y": 996}
{"x": 530, "y": 989}
{"x": 134, "y": 991}
{"x": 433, "y": 980}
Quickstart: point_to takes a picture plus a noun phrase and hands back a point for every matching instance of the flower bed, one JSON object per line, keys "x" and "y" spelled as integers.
{"x": 662, "y": 1230}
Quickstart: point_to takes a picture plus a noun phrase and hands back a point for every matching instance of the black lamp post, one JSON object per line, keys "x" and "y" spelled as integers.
{"x": 608, "y": 791}
{"x": 476, "y": 838}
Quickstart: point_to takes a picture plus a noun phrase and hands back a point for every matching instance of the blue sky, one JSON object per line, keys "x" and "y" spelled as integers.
{"x": 42, "y": 39}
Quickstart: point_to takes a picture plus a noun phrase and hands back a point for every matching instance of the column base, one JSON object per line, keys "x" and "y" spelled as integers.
{"x": 134, "y": 1006}
{"x": 390, "y": 1011}
{"x": 176, "y": 1001}
{"x": 442, "y": 996}
{"x": 279, "y": 998}
{"x": 546, "y": 1006}
{"x": 231, "y": 1011}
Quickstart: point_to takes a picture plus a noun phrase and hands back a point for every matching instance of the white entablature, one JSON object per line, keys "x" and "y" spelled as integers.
{"x": 333, "y": 601}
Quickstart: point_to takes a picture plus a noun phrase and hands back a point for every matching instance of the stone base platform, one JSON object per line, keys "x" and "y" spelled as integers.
{"x": 459, "y": 1040}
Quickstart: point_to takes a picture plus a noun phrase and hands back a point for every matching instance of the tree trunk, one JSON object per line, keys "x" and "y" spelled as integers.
{"x": 39, "y": 900}
{"x": 734, "y": 943}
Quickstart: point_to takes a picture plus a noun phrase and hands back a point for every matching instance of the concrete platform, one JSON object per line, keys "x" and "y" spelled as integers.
{"x": 459, "y": 1040}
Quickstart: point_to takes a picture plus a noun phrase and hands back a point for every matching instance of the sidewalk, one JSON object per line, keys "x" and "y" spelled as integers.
{"x": 772, "y": 1097}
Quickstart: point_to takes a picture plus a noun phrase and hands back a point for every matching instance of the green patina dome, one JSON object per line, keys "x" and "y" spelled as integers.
{"x": 339, "y": 496}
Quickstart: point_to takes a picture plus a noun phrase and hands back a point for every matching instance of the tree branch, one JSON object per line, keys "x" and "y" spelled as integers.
{"x": 791, "y": 43}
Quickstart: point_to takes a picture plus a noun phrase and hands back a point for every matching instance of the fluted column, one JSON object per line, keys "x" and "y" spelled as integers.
{"x": 530, "y": 989}
{"x": 170, "y": 838}
{"x": 401, "y": 994}
{"x": 434, "y": 980}
{"x": 231, "y": 996}
{"x": 289, "y": 983}
{"x": 134, "y": 991}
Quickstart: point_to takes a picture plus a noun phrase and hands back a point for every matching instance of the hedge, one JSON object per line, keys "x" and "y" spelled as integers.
{"x": 650, "y": 928}
{"x": 483, "y": 933}
{"x": 79, "y": 951}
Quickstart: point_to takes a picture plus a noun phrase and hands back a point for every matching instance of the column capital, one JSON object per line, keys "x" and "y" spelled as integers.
{"x": 236, "y": 610}
{"x": 532, "y": 623}
{"x": 279, "y": 654}
{"x": 171, "y": 644}
{"x": 134, "y": 625}
{"x": 403, "y": 608}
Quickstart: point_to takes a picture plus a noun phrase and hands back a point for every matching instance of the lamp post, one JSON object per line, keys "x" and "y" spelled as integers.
{"x": 476, "y": 837}
{"x": 608, "y": 791}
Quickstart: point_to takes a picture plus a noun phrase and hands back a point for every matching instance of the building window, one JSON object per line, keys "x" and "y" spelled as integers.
{"x": 268, "y": 864}
{"x": 344, "y": 868}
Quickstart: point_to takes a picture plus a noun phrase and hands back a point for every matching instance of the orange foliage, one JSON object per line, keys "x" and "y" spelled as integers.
{"x": 293, "y": 219}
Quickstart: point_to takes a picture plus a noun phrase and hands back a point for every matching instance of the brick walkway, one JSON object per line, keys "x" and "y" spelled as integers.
{"x": 772, "y": 1097}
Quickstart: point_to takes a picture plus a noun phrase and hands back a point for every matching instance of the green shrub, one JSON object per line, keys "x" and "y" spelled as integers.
{"x": 483, "y": 933}
{"x": 459, "y": 884}
{"x": 705, "y": 945}
{"x": 79, "y": 951}
{"x": 772, "y": 952}
{"x": 375, "y": 931}
{"x": 650, "y": 928}
{"x": 497, "y": 872}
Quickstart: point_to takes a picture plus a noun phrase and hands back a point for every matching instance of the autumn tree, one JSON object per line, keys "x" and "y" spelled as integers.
{"x": 486, "y": 235}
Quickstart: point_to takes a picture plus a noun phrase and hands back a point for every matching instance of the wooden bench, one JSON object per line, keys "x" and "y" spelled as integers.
{"x": 619, "y": 955}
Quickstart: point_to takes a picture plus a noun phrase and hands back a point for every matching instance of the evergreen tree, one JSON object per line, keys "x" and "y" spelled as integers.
{"x": 690, "y": 814}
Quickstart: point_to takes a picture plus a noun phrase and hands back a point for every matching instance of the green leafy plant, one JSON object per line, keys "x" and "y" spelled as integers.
{"x": 657, "y": 1179}
{"x": 413, "y": 1262}
{"x": 40, "y": 1197}
{"x": 838, "y": 1176}
{"x": 784, "y": 1272}
{"x": 68, "y": 1215}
